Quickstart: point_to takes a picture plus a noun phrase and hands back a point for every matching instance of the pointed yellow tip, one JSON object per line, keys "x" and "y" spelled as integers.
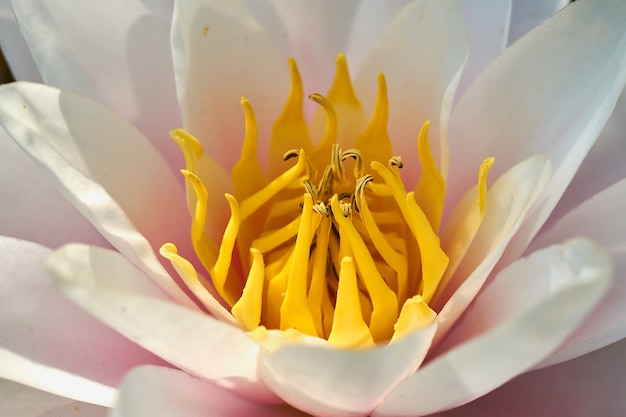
{"x": 342, "y": 90}
{"x": 482, "y": 183}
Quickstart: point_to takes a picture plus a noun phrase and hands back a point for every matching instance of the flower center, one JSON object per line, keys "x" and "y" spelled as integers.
{"x": 333, "y": 246}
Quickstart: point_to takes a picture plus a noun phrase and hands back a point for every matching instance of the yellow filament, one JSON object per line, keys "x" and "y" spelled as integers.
{"x": 255, "y": 201}
{"x": 295, "y": 312}
{"x": 430, "y": 191}
{"x": 374, "y": 142}
{"x": 276, "y": 238}
{"x": 290, "y": 130}
{"x": 219, "y": 272}
{"x": 384, "y": 302}
{"x": 323, "y": 149}
{"x": 348, "y": 329}
{"x": 247, "y": 310}
{"x": 415, "y": 315}
{"x": 318, "y": 299}
{"x": 482, "y": 183}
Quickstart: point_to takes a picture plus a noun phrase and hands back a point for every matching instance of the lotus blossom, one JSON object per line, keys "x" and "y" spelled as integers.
{"x": 335, "y": 281}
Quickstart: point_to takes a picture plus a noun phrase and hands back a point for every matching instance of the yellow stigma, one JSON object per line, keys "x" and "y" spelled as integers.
{"x": 328, "y": 242}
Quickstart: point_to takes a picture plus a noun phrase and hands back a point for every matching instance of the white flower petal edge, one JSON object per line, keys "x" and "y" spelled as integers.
{"x": 547, "y": 108}
{"x": 528, "y": 328}
{"x": 600, "y": 218}
{"x": 603, "y": 166}
{"x": 508, "y": 201}
{"x": 77, "y": 408}
{"x": 327, "y": 381}
{"x": 14, "y": 47}
{"x": 592, "y": 385}
{"x": 21, "y": 400}
{"x": 528, "y": 14}
{"x": 162, "y": 392}
{"x": 106, "y": 169}
{"x": 115, "y": 52}
{"x": 422, "y": 60}
{"x": 31, "y": 205}
{"x": 48, "y": 342}
{"x": 191, "y": 340}
{"x": 222, "y": 53}
{"x": 487, "y": 24}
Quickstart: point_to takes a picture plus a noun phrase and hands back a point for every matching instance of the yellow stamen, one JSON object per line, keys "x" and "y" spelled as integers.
{"x": 247, "y": 310}
{"x": 349, "y": 330}
{"x": 348, "y": 256}
{"x": 430, "y": 191}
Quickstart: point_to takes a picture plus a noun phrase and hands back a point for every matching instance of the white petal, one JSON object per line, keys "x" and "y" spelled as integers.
{"x": 529, "y": 101}
{"x": 47, "y": 342}
{"x": 14, "y": 47}
{"x": 519, "y": 319}
{"x": 116, "y": 52}
{"x": 603, "y": 166}
{"x": 601, "y": 219}
{"x": 221, "y": 53}
{"x": 106, "y": 168}
{"x": 508, "y": 201}
{"x": 592, "y": 385}
{"x": 20, "y": 400}
{"x": 328, "y": 381}
{"x": 488, "y": 29}
{"x": 422, "y": 54}
{"x": 185, "y": 338}
{"x": 32, "y": 207}
{"x": 78, "y": 409}
{"x": 162, "y": 392}
{"x": 528, "y": 14}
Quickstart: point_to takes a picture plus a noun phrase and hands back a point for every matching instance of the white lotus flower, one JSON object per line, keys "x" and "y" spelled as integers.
{"x": 462, "y": 297}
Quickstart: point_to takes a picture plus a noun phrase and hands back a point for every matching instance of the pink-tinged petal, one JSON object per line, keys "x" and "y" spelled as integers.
{"x": 49, "y": 343}
{"x": 190, "y": 340}
{"x": 328, "y": 381}
{"x": 76, "y": 409}
{"x": 14, "y": 47}
{"x": 421, "y": 53}
{"x": 32, "y": 207}
{"x": 529, "y": 101}
{"x": 487, "y": 24}
{"x": 515, "y": 322}
{"x": 162, "y": 392}
{"x": 106, "y": 168}
{"x": 592, "y": 385}
{"x": 20, "y": 400}
{"x": 601, "y": 219}
{"x": 508, "y": 201}
{"x": 116, "y": 52}
{"x": 603, "y": 166}
{"x": 529, "y": 14}
{"x": 222, "y": 53}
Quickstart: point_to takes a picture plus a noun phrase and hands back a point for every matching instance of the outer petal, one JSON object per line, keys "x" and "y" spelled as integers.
{"x": 222, "y": 53}
{"x": 77, "y": 409}
{"x": 592, "y": 385}
{"x": 603, "y": 166}
{"x": 547, "y": 108}
{"x": 488, "y": 29}
{"x": 600, "y": 218}
{"x": 20, "y": 400}
{"x": 14, "y": 47}
{"x": 508, "y": 201}
{"x": 529, "y": 14}
{"x": 105, "y": 167}
{"x": 514, "y": 323}
{"x": 325, "y": 381}
{"x": 163, "y": 392}
{"x": 188, "y": 339}
{"x": 32, "y": 207}
{"x": 116, "y": 52}
{"x": 422, "y": 54}
{"x": 47, "y": 342}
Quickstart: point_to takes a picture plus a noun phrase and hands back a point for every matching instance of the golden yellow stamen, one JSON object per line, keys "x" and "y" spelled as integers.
{"x": 348, "y": 255}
